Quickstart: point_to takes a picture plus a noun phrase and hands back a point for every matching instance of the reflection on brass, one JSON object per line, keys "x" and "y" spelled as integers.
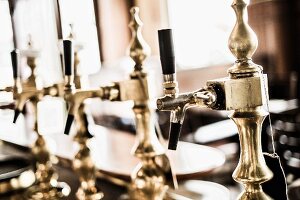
{"x": 252, "y": 169}
{"x": 243, "y": 92}
{"x": 46, "y": 186}
{"x": 83, "y": 164}
{"x": 148, "y": 180}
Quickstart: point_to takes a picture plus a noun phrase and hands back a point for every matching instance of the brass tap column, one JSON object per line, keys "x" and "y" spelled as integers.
{"x": 244, "y": 92}
{"x": 47, "y": 186}
{"x": 83, "y": 164}
{"x": 148, "y": 180}
{"x": 252, "y": 169}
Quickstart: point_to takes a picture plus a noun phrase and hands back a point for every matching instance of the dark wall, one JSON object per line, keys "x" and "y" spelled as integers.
{"x": 276, "y": 24}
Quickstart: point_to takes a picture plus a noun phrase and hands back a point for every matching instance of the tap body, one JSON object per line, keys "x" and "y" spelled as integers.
{"x": 243, "y": 92}
{"x": 46, "y": 186}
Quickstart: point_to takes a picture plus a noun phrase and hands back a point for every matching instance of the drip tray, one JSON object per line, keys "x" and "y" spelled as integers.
{"x": 15, "y": 173}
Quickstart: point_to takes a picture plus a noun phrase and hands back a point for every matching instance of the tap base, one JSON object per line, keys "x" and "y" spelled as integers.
{"x": 148, "y": 181}
{"x": 56, "y": 191}
{"x": 84, "y": 167}
{"x": 254, "y": 195}
{"x": 93, "y": 193}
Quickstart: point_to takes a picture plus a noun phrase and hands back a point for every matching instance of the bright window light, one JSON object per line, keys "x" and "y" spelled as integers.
{"x": 201, "y": 32}
{"x": 6, "y": 45}
{"x": 80, "y": 13}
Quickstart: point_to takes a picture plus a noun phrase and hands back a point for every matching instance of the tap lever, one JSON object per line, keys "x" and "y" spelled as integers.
{"x": 69, "y": 122}
{"x": 68, "y": 57}
{"x": 15, "y": 54}
{"x": 174, "y": 134}
{"x": 166, "y": 51}
{"x": 16, "y": 115}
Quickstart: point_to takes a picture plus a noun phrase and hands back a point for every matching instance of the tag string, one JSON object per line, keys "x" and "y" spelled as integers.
{"x": 273, "y": 154}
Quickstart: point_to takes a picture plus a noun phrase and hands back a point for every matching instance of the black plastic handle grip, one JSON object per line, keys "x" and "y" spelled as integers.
{"x": 16, "y": 115}
{"x": 69, "y": 122}
{"x": 15, "y": 54}
{"x": 68, "y": 57}
{"x": 175, "y": 129}
{"x": 166, "y": 51}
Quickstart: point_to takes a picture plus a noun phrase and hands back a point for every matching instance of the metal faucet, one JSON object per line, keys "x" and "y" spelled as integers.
{"x": 75, "y": 97}
{"x": 46, "y": 186}
{"x": 144, "y": 185}
{"x": 244, "y": 92}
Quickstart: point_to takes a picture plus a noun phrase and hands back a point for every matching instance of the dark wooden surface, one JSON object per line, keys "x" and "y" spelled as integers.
{"x": 111, "y": 191}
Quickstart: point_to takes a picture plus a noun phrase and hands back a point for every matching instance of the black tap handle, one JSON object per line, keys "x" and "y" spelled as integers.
{"x": 69, "y": 122}
{"x": 15, "y": 54}
{"x": 166, "y": 51}
{"x": 68, "y": 57}
{"x": 175, "y": 129}
{"x": 16, "y": 115}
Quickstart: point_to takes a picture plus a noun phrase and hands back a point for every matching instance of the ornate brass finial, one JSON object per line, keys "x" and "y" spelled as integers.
{"x": 138, "y": 48}
{"x": 242, "y": 41}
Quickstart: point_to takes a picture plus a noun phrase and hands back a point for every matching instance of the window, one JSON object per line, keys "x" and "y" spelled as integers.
{"x": 201, "y": 32}
{"x": 37, "y": 19}
{"x": 80, "y": 14}
{"x": 6, "y": 45}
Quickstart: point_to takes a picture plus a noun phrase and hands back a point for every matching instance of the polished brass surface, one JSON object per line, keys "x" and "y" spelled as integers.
{"x": 244, "y": 92}
{"x": 252, "y": 169}
{"x": 83, "y": 164}
{"x": 138, "y": 48}
{"x": 149, "y": 177}
{"x": 46, "y": 186}
{"x": 148, "y": 180}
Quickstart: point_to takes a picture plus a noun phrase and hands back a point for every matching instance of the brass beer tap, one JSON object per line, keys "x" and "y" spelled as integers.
{"x": 148, "y": 180}
{"x": 244, "y": 92}
{"x": 83, "y": 164}
{"x": 47, "y": 186}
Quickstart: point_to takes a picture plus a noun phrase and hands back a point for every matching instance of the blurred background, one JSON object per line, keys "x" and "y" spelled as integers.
{"x": 201, "y": 31}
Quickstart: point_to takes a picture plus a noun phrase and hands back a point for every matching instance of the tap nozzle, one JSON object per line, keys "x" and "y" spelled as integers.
{"x": 16, "y": 115}
{"x": 22, "y": 98}
{"x": 172, "y": 101}
{"x": 177, "y": 117}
